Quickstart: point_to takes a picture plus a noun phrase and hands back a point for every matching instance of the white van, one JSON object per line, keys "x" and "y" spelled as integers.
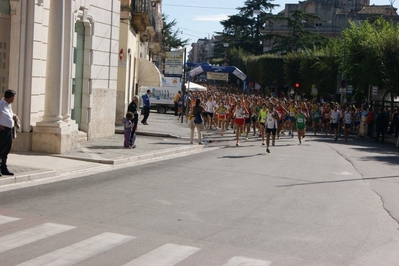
{"x": 162, "y": 97}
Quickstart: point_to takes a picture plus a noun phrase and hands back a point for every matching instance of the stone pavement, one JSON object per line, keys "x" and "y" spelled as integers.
{"x": 164, "y": 136}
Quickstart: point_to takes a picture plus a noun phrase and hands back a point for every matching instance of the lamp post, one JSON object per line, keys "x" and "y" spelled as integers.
{"x": 184, "y": 81}
{"x": 257, "y": 13}
{"x": 225, "y": 45}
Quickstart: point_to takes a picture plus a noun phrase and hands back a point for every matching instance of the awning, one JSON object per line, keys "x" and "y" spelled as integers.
{"x": 149, "y": 74}
{"x": 191, "y": 86}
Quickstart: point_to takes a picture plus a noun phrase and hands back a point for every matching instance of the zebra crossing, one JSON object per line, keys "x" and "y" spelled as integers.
{"x": 168, "y": 254}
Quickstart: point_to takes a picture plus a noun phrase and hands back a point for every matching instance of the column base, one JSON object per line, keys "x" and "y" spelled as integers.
{"x": 57, "y": 138}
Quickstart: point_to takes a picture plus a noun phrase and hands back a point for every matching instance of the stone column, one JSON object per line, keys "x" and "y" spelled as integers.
{"x": 54, "y": 66}
{"x": 52, "y": 135}
{"x": 67, "y": 63}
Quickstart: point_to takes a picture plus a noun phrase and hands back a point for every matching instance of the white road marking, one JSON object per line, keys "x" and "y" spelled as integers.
{"x": 30, "y": 235}
{"x": 6, "y": 219}
{"x": 243, "y": 261}
{"x": 166, "y": 255}
{"x": 80, "y": 251}
{"x": 343, "y": 173}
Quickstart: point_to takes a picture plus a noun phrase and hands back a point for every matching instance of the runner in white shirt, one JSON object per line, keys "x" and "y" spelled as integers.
{"x": 348, "y": 118}
{"x": 239, "y": 120}
{"x": 210, "y": 108}
{"x": 271, "y": 126}
{"x": 335, "y": 115}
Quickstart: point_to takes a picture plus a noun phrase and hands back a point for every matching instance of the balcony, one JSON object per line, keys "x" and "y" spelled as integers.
{"x": 142, "y": 16}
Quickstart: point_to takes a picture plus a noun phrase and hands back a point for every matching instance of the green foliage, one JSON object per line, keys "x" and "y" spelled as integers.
{"x": 265, "y": 69}
{"x": 372, "y": 55}
{"x": 170, "y": 37}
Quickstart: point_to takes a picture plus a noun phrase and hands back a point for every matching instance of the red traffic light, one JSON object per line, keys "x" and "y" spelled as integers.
{"x": 296, "y": 85}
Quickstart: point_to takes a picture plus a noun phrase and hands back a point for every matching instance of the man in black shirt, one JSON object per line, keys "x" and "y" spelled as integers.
{"x": 133, "y": 109}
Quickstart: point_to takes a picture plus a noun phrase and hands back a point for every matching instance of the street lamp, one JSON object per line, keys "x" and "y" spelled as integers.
{"x": 225, "y": 45}
{"x": 257, "y": 13}
{"x": 317, "y": 28}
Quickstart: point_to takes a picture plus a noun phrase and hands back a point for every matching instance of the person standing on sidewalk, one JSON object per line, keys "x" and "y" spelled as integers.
{"x": 146, "y": 106}
{"x": 394, "y": 125}
{"x": 127, "y": 129}
{"x": 176, "y": 102}
{"x": 370, "y": 123}
{"x": 380, "y": 125}
{"x": 197, "y": 122}
{"x": 133, "y": 109}
{"x": 7, "y": 122}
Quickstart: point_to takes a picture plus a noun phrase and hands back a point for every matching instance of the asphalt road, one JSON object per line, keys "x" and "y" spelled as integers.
{"x": 320, "y": 203}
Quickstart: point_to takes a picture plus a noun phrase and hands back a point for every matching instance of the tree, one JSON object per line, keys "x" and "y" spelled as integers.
{"x": 170, "y": 37}
{"x": 243, "y": 30}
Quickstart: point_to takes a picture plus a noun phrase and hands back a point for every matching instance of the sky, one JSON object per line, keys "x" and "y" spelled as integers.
{"x": 199, "y": 19}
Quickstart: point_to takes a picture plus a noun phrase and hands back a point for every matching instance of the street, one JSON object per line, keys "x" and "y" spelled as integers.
{"x": 319, "y": 203}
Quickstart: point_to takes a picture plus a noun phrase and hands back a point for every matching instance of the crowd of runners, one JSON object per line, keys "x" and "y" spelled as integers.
{"x": 268, "y": 118}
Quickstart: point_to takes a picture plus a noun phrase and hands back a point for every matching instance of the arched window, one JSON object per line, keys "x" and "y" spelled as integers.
{"x": 310, "y": 8}
{"x": 5, "y": 7}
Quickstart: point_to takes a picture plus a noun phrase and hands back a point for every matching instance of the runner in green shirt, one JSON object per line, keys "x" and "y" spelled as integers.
{"x": 300, "y": 123}
{"x": 316, "y": 115}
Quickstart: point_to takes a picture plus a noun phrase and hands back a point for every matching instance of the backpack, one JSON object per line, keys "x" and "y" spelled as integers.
{"x": 198, "y": 118}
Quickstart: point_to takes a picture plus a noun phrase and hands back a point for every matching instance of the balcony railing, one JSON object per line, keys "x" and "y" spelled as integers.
{"x": 142, "y": 15}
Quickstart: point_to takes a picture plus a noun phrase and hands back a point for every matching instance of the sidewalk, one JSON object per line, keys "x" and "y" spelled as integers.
{"x": 164, "y": 136}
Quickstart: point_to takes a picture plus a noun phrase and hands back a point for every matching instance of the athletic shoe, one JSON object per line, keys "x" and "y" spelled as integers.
{"x": 267, "y": 150}
{"x": 263, "y": 143}
{"x": 273, "y": 143}
{"x": 133, "y": 146}
{"x": 237, "y": 144}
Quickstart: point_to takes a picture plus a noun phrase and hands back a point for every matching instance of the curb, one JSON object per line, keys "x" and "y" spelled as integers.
{"x": 137, "y": 158}
{"x": 150, "y": 134}
{"x": 27, "y": 176}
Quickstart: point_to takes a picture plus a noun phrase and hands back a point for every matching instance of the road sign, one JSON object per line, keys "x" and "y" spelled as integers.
{"x": 374, "y": 90}
{"x": 349, "y": 89}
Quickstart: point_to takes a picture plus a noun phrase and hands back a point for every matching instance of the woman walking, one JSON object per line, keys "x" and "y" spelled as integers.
{"x": 197, "y": 122}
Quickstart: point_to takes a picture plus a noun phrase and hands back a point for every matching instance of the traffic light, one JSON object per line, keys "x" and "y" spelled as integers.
{"x": 297, "y": 85}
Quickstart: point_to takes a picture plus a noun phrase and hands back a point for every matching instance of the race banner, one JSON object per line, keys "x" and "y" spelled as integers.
{"x": 217, "y": 76}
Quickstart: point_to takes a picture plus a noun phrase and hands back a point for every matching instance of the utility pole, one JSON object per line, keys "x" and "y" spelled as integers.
{"x": 183, "y": 82}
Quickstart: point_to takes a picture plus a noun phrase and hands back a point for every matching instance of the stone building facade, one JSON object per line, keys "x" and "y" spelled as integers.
{"x": 62, "y": 57}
